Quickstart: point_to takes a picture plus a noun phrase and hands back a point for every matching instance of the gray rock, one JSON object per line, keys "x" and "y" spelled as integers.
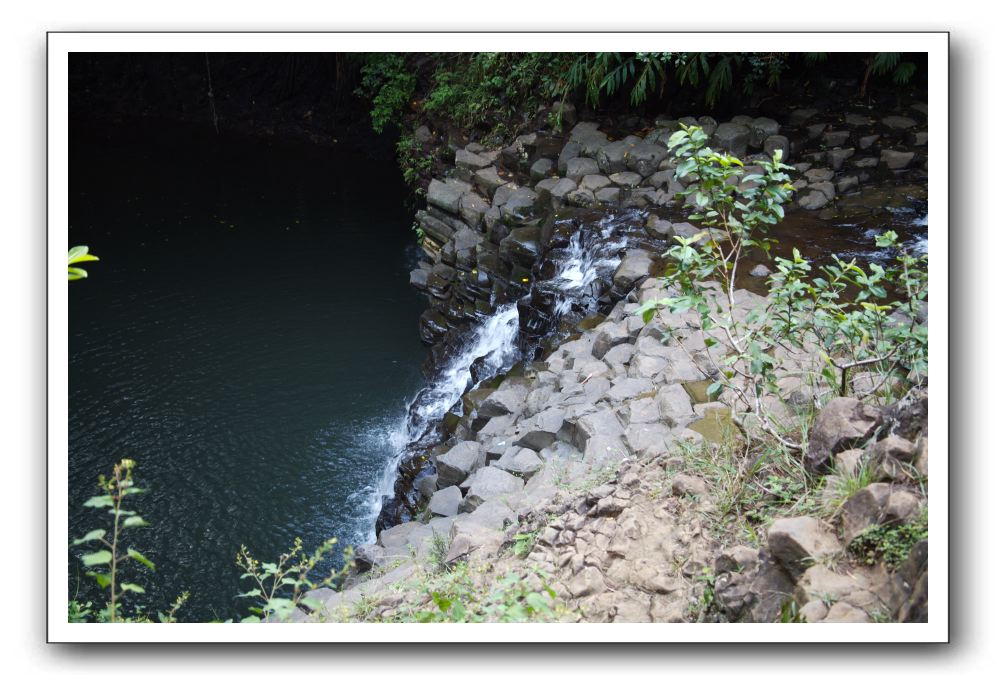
{"x": 471, "y": 161}
{"x": 847, "y": 183}
{"x": 898, "y": 122}
{"x": 581, "y": 198}
{"x": 760, "y": 271}
{"x": 838, "y": 156}
{"x": 897, "y": 160}
{"x": 521, "y": 205}
{"x": 732, "y": 137}
{"x": 454, "y": 466}
{"x": 489, "y": 180}
{"x": 629, "y": 179}
{"x": 644, "y": 158}
{"x": 522, "y": 245}
{"x": 611, "y": 157}
{"x": 541, "y": 168}
{"x": 684, "y": 485}
{"x": 472, "y": 209}
{"x": 425, "y": 485}
{"x": 629, "y": 387}
{"x": 579, "y": 167}
{"x": 602, "y": 422}
{"x": 836, "y": 138}
{"x": 920, "y": 138}
{"x": 489, "y": 483}
{"x": 635, "y": 267}
{"x": 508, "y": 399}
{"x": 658, "y": 228}
{"x": 570, "y": 150}
{"x": 777, "y": 142}
{"x": 866, "y": 142}
{"x": 446, "y": 195}
{"x": 674, "y": 404}
{"x": 608, "y": 335}
{"x": 843, "y": 423}
{"x": 397, "y": 536}
{"x": 607, "y": 195}
{"x": 818, "y": 175}
{"x": 799, "y": 543}
{"x": 595, "y": 182}
{"x": 446, "y": 502}
{"x": 814, "y": 200}
{"x": 522, "y": 462}
{"x": 760, "y": 129}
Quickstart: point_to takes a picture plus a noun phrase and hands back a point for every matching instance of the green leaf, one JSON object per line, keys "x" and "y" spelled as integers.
{"x": 250, "y": 619}
{"x": 89, "y": 536}
{"x": 99, "y": 502}
{"x": 250, "y": 594}
{"x": 103, "y": 580}
{"x": 714, "y": 389}
{"x": 97, "y": 558}
{"x": 135, "y": 521}
{"x": 135, "y": 555}
{"x": 134, "y": 588}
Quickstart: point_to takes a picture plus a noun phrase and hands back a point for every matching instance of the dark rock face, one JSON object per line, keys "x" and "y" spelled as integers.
{"x": 843, "y": 424}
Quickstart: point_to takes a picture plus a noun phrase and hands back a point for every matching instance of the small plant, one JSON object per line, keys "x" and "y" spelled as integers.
{"x": 705, "y": 605}
{"x": 891, "y": 543}
{"x": 439, "y": 546}
{"x": 106, "y": 561}
{"x": 523, "y": 542}
{"x": 77, "y": 255}
{"x": 790, "y": 613}
{"x": 281, "y": 586}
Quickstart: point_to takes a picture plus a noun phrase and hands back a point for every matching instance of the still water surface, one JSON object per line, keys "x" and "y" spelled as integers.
{"x": 249, "y": 337}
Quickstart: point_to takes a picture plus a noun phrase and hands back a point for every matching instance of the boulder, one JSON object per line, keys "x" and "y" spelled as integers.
{"x": 898, "y": 122}
{"x": 446, "y": 195}
{"x": 674, "y": 404}
{"x": 595, "y": 182}
{"x": 683, "y": 485}
{"x": 522, "y": 462}
{"x": 454, "y": 466}
{"x": 541, "y": 168}
{"x": 490, "y": 483}
{"x": 844, "y": 423}
{"x": 521, "y": 205}
{"x": 628, "y": 179}
{"x": 471, "y": 161}
{"x": 897, "y": 160}
{"x": 611, "y": 157}
{"x": 521, "y": 246}
{"x": 608, "y": 335}
{"x": 579, "y": 167}
{"x": 799, "y": 543}
{"x": 509, "y": 399}
{"x": 645, "y": 158}
{"x": 446, "y": 502}
{"x": 732, "y": 137}
{"x": 489, "y": 180}
{"x": 634, "y": 268}
{"x": 772, "y": 143}
{"x": 629, "y": 387}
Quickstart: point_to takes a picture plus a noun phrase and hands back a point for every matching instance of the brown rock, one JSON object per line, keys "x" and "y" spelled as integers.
{"x": 843, "y": 424}
{"x": 798, "y": 543}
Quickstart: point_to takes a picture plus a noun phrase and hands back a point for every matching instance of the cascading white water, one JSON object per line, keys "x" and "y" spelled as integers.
{"x": 495, "y": 339}
{"x": 591, "y": 254}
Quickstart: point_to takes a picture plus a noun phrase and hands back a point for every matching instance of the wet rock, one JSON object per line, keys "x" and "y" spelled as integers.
{"x": 635, "y": 267}
{"x": 397, "y": 536}
{"x": 847, "y": 183}
{"x": 489, "y": 180}
{"x": 838, "y": 156}
{"x": 541, "y": 168}
{"x": 608, "y": 195}
{"x": 611, "y": 157}
{"x": 490, "y": 483}
{"x": 897, "y": 160}
{"x": 920, "y": 138}
{"x": 798, "y": 543}
{"x": 520, "y": 206}
{"x": 581, "y": 198}
{"x": 472, "y": 209}
{"x": 579, "y": 167}
{"x": 627, "y": 179}
{"x": 595, "y": 182}
{"x": 836, "y": 138}
{"x": 842, "y": 424}
{"x": 521, "y": 246}
{"x": 471, "y": 161}
{"x": 644, "y": 158}
{"x": 446, "y": 194}
{"x": 446, "y": 502}
{"x": 658, "y": 228}
{"x": 866, "y": 142}
{"x": 454, "y": 466}
{"x": 801, "y": 116}
{"x": 898, "y": 123}
{"x": 818, "y": 175}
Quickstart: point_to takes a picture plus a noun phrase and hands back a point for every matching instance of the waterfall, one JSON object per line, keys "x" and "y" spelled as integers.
{"x": 592, "y": 254}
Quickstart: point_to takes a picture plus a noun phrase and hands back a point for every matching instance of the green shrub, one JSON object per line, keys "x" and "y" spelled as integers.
{"x": 841, "y": 315}
{"x": 891, "y": 543}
